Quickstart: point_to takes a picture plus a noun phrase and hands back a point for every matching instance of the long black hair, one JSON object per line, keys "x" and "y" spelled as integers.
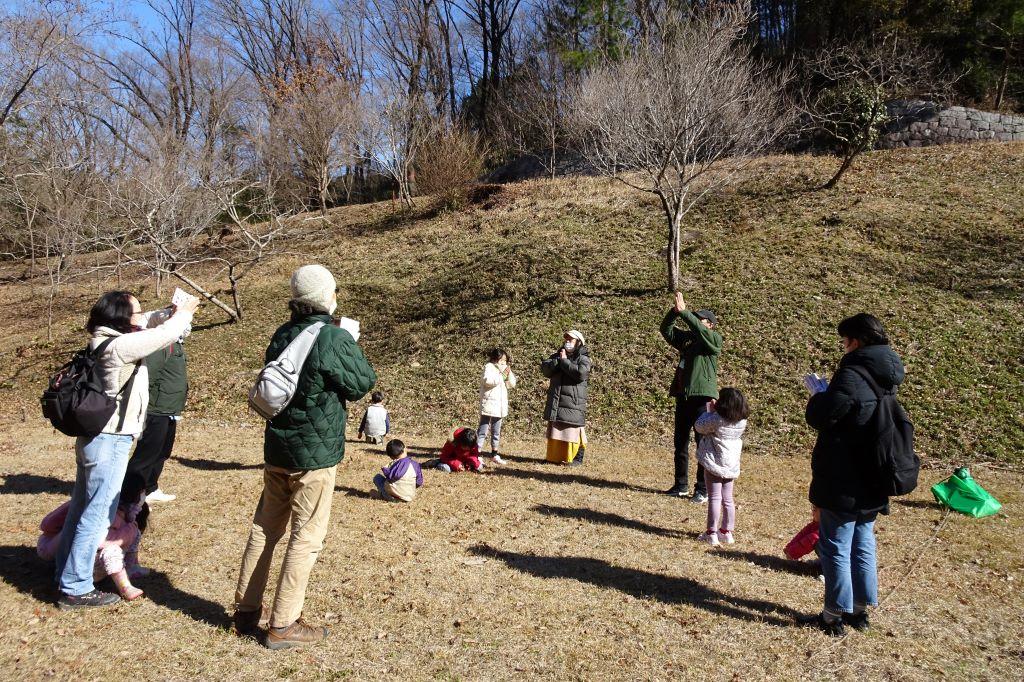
{"x": 495, "y": 354}
{"x": 864, "y": 328}
{"x": 114, "y": 310}
{"x": 732, "y": 405}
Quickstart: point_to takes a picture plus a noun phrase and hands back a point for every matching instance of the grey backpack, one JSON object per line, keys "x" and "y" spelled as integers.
{"x": 276, "y": 384}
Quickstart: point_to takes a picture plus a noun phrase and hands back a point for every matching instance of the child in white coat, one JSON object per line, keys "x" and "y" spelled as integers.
{"x": 722, "y": 428}
{"x": 497, "y": 379}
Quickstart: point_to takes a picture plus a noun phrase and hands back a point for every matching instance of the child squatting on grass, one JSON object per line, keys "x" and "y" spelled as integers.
{"x": 721, "y": 428}
{"x": 460, "y": 452}
{"x": 118, "y": 553}
{"x": 398, "y": 481}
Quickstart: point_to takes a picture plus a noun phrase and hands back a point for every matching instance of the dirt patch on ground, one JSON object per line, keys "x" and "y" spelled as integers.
{"x": 527, "y": 571}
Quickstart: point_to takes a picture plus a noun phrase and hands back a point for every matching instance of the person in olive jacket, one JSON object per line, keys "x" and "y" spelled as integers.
{"x": 168, "y": 387}
{"x": 302, "y": 447}
{"x": 845, "y": 492}
{"x": 694, "y": 385}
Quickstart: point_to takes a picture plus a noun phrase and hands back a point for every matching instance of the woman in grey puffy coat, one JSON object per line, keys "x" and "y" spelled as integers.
{"x": 566, "y": 406}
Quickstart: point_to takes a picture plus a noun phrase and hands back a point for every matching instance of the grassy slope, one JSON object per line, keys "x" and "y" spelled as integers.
{"x": 930, "y": 240}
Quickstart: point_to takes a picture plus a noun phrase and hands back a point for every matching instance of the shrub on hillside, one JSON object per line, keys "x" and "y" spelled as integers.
{"x": 448, "y": 164}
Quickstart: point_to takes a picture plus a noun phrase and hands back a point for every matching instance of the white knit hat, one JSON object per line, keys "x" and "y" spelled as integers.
{"x": 573, "y": 334}
{"x": 314, "y": 285}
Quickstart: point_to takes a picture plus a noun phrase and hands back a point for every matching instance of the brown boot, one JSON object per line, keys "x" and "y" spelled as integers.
{"x": 249, "y": 623}
{"x": 298, "y": 633}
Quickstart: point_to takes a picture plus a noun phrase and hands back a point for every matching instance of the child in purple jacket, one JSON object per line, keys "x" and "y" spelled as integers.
{"x": 399, "y": 480}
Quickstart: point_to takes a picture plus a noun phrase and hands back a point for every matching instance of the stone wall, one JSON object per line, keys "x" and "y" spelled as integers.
{"x": 917, "y": 123}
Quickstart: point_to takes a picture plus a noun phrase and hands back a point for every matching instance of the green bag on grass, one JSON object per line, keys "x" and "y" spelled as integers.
{"x": 961, "y": 493}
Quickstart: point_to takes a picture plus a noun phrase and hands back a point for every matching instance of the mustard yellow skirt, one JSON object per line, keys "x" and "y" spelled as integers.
{"x": 564, "y": 442}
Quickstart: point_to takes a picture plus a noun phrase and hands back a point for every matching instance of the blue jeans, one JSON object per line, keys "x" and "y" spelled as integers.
{"x": 847, "y": 550}
{"x": 379, "y": 481}
{"x": 102, "y": 461}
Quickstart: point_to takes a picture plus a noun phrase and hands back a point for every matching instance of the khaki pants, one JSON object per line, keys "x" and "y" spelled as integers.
{"x": 302, "y": 498}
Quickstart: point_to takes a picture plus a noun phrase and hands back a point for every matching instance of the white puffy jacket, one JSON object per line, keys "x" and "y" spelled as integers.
{"x": 494, "y": 391}
{"x": 719, "y": 449}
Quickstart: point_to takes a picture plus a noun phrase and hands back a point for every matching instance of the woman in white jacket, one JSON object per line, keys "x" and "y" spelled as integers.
{"x": 497, "y": 379}
{"x": 103, "y": 459}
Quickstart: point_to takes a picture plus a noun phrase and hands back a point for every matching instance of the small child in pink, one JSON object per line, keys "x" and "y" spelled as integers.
{"x": 117, "y": 555}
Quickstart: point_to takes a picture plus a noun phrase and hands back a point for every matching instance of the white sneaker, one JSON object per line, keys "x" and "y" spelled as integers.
{"x": 160, "y": 496}
{"x": 710, "y": 538}
{"x": 496, "y": 458}
{"x": 726, "y": 538}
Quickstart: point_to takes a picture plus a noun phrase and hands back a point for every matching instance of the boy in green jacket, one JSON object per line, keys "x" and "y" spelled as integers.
{"x": 695, "y": 383}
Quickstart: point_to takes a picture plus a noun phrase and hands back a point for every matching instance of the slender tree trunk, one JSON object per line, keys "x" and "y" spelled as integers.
{"x": 234, "y": 291}
{"x": 1004, "y": 75}
{"x": 856, "y": 150}
{"x": 674, "y": 218}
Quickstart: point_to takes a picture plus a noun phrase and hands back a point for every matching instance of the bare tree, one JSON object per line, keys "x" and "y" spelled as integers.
{"x": 50, "y": 188}
{"x": 316, "y": 123}
{"x": 195, "y": 233}
{"x": 859, "y": 80}
{"x": 395, "y": 133}
{"x": 35, "y": 35}
{"x": 492, "y": 21}
{"x": 682, "y": 115}
{"x": 531, "y": 114}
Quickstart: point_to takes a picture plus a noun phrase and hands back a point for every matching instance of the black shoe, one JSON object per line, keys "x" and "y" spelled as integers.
{"x": 858, "y": 621}
{"x": 836, "y": 629}
{"x": 677, "y": 491}
{"x": 89, "y": 600}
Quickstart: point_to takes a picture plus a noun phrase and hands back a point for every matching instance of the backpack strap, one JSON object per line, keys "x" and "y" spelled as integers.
{"x": 124, "y": 400}
{"x": 870, "y": 381}
{"x": 98, "y": 351}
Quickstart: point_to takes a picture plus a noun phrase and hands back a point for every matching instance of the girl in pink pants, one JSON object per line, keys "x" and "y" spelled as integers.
{"x": 721, "y": 428}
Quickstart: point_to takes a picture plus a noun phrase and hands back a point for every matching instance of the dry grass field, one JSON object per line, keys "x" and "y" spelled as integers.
{"x": 528, "y": 571}
{"x": 531, "y": 571}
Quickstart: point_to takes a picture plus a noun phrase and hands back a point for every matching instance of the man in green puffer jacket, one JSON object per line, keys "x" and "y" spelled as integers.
{"x": 695, "y": 383}
{"x": 302, "y": 447}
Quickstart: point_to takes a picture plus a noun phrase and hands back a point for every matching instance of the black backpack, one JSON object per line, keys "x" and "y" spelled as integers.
{"x": 892, "y": 462}
{"x": 75, "y": 403}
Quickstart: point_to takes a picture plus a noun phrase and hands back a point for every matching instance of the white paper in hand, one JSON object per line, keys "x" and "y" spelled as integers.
{"x": 350, "y": 325}
{"x": 815, "y": 384}
{"x": 181, "y": 297}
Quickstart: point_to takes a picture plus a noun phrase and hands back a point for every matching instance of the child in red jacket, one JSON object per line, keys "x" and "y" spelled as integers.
{"x": 461, "y": 452}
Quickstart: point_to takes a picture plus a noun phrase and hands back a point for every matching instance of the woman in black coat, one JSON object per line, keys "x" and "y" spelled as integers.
{"x": 844, "y": 487}
{"x": 566, "y": 405}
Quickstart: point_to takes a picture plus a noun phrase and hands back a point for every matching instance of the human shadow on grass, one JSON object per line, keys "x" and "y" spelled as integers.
{"x": 161, "y": 591}
{"x": 773, "y": 563}
{"x": 22, "y": 569}
{"x": 553, "y": 477}
{"x": 214, "y": 465}
{"x": 607, "y": 519}
{"x": 33, "y": 484}
{"x": 355, "y": 492}
{"x": 668, "y": 589}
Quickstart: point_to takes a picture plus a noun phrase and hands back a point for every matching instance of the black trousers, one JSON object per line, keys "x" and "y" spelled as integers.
{"x": 687, "y": 411}
{"x": 153, "y": 449}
